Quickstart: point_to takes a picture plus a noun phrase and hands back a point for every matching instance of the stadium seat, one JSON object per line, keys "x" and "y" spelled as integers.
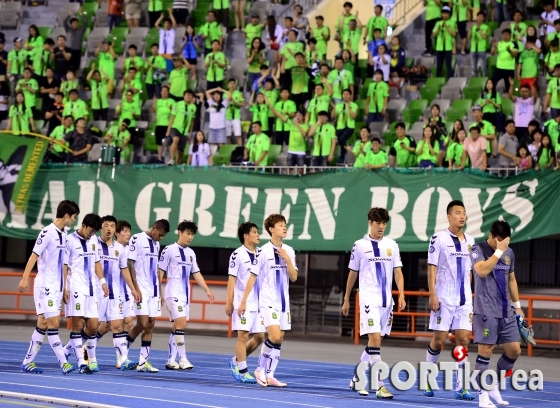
{"x": 417, "y": 131}
{"x": 99, "y": 124}
{"x": 224, "y": 155}
{"x": 458, "y": 110}
{"x": 101, "y": 18}
{"x": 150, "y": 141}
{"x": 414, "y": 110}
{"x": 273, "y": 153}
{"x": 394, "y": 109}
{"x": 45, "y": 32}
{"x": 508, "y": 107}
{"x": 377, "y": 129}
{"x": 11, "y": 15}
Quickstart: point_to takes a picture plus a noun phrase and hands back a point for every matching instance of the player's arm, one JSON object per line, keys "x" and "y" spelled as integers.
{"x": 99, "y": 273}
{"x": 352, "y": 276}
{"x": 202, "y": 283}
{"x": 65, "y": 294}
{"x": 132, "y": 270}
{"x": 230, "y": 287}
{"x": 399, "y": 280}
{"x": 483, "y": 268}
{"x": 248, "y": 288}
{"x": 514, "y": 294}
{"x": 292, "y": 271}
{"x": 161, "y": 273}
{"x": 433, "y": 302}
{"x": 23, "y": 284}
{"x": 128, "y": 279}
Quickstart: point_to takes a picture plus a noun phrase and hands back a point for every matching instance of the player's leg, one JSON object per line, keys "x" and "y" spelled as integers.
{"x": 440, "y": 323}
{"x": 53, "y": 323}
{"x": 76, "y": 311}
{"x": 270, "y": 355}
{"x": 482, "y": 364}
{"x": 180, "y": 326}
{"x": 486, "y": 336}
{"x": 462, "y": 326}
{"x": 172, "y": 345}
{"x": 28, "y": 364}
{"x": 154, "y": 310}
{"x": 89, "y": 332}
{"x": 248, "y": 322}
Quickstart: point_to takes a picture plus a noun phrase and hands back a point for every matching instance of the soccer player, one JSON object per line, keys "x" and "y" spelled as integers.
{"x": 178, "y": 261}
{"x": 376, "y": 259}
{"x": 449, "y": 282}
{"x": 245, "y": 264}
{"x": 80, "y": 293}
{"x": 494, "y": 315}
{"x": 111, "y": 311}
{"x": 49, "y": 254}
{"x": 274, "y": 298}
{"x": 143, "y": 257}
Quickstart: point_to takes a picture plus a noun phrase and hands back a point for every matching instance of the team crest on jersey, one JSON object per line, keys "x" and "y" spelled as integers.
{"x": 470, "y": 317}
{"x": 117, "y": 253}
{"x": 180, "y": 308}
{"x": 274, "y": 316}
{"x": 469, "y": 248}
{"x": 50, "y": 303}
{"x": 507, "y": 259}
{"x": 93, "y": 247}
{"x": 254, "y": 262}
{"x": 389, "y": 252}
{"x": 78, "y": 306}
{"x": 39, "y": 241}
{"x": 370, "y": 322}
{"x": 486, "y": 332}
{"x": 390, "y": 322}
{"x": 232, "y": 264}
{"x": 243, "y": 320}
{"x": 432, "y": 249}
{"x": 139, "y": 306}
{"x": 474, "y": 255}
{"x": 438, "y": 320}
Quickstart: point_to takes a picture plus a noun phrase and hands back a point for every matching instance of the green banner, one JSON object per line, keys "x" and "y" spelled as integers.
{"x": 20, "y": 159}
{"x": 325, "y": 212}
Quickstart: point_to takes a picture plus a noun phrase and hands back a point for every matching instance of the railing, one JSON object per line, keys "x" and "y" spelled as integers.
{"x": 400, "y": 10}
{"x": 205, "y": 302}
{"x": 414, "y": 315}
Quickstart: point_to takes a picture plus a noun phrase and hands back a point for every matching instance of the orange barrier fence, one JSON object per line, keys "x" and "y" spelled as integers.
{"x": 412, "y": 332}
{"x": 205, "y": 302}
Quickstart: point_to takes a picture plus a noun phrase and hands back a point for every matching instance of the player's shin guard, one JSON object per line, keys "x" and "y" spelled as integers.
{"x": 180, "y": 344}
{"x": 144, "y": 351}
{"x": 505, "y": 364}
{"x": 481, "y": 365}
{"x": 264, "y": 358}
{"x": 91, "y": 347}
{"x": 432, "y": 356}
{"x": 34, "y": 345}
{"x": 274, "y": 359}
{"x": 56, "y": 345}
{"x": 121, "y": 346}
{"x": 374, "y": 354}
{"x": 76, "y": 344}
{"x": 461, "y": 372}
{"x": 172, "y": 347}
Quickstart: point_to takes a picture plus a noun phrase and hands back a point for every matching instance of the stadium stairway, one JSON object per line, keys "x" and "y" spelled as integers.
{"x": 42, "y": 16}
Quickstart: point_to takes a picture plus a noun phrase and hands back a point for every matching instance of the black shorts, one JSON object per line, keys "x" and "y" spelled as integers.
{"x": 181, "y": 16}
{"x": 462, "y": 28}
{"x": 193, "y": 62}
{"x": 182, "y": 139}
{"x": 160, "y": 134}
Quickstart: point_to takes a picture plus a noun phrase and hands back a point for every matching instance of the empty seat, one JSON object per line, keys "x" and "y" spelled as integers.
{"x": 394, "y": 109}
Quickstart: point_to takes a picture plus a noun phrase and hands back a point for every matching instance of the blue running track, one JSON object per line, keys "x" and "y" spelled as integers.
{"x": 210, "y": 384}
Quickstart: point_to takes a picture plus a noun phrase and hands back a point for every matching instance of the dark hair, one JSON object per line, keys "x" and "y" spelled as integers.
{"x": 245, "y": 228}
{"x": 61, "y": 36}
{"x": 485, "y": 89}
{"x": 195, "y": 141}
{"x": 108, "y": 218}
{"x": 187, "y": 226}
{"x": 474, "y": 128}
{"x": 289, "y": 19}
{"x": 500, "y": 229}
{"x": 554, "y": 43}
{"x": 549, "y": 148}
{"x": 257, "y": 123}
{"x": 122, "y": 224}
{"x": 272, "y": 220}
{"x": 49, "y": 41}
{"x": 400, "y": 125}
{"x": 377, "y": 214}
{"x": 133, "y": 46}
{"x": 455, "y": 132}
{"x": 376, "y": 139}
{"x": 67, "y": 207}
{"x": 508, "y": 122}
{"x": 380, "y": 7}
{"x": 92, "y": 221}
{"x": 506, "y": 31}
{"x": 348, "y": 4}
{"x": 154, "y": 45}
{"x": 454, "y": 203}
{"x": 162, "y": 225}
{"x": 33, "y": 26}
{"x": 525, "y": 86}
{"x": 271, "y": 24}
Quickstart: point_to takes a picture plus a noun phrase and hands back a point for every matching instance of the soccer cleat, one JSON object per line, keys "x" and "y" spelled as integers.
{"x": 118, "y": 365}
{"x": 171, "y": 162}
{"x": 185, "y": 364}
{"x": 67, "y": 368}
{"x": 497, "y": 397}
{"x": 247, "y": 378}
{"x": 94, "y": 367}
{"x": 428, "y": 392}
{"x": 484, "y": 400}
{"x": 31, "y": 368}
{"x": 383, "y": 393}
{"x": 273, "y": 382}
{"x": 261, "y": 378}
{"x": 147, "y": 368}
{"x": 128, "y": 365}
{"x": 84, "y": 369}
{"x": 234, "y": 369}
{"x": 172, "y": 365}
{"x": 525, "y": 332}
{"x": 464, "y": 395}
{"x": 363, "y": 393}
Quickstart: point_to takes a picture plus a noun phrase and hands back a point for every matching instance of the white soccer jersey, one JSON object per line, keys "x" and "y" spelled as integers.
{"x": 82, "y": 257}
{"x": 274, "y": 286}
{"x": 453, "y": 262}
{"x": 144, "y": 251}
{"x": 375, "y": 261}
{"x": 125, "y": 290}
{"x": 243, "y": 263}
{"x": 113, "y": 259}
{"x": 179, "y": 263}
{"x": 50, "y": 247}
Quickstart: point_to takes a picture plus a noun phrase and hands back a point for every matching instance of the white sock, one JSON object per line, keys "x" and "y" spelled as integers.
{"x": 364, "y": 359}
{"x": 172, "y": 347}
{"x": 76, "y": 345}
{"x": 56, "y": 345}
{"x": 234, "y": 360}
{"x": 144, "y": 352}
{"x": 242, "y": 367}
{"x": 34, "y": 345}
{"x": 274, "y": 359}
{"x": 121, "y": 346}
{"x": 432, "y": 356}
{"x": 91, "y": 347}
{"x": 264, "y": 357}
{"x": 460, "y": 373}
{"x": 180, "y": 344}
{"x": 374, "y": 358}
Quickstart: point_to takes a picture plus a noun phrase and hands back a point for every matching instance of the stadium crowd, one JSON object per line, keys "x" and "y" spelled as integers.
{"x": 170, "y": 90}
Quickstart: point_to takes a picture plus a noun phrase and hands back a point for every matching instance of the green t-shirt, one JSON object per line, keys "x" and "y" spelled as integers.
{"x": 252, "y": 31}
{"x": 489, "y": 108}
{"x": 20, "y": 118}
{"x": 444, "y": 40}
{"x": 297, "y": 140}
{"x": 346, "y": 22}
{"x": 128, "y": 110}
{"x": 479, "y": 44}
{"x": 340, "y": 81}
{"x": 553, "y": 89}
{"x": 18, "y": 60}
{"x": 322, "y": 140}
{"x": 553, "y": 129}
{"x": 318, "y": 34}
{"x": 164, "y": 108}
{"x": 118, "y": 137}
{"x": 455, "y": 153}
{"x": 505, "y": 60}
{"x": 426, "y": 155}
{"x": 137, "y": 84}
{"x": 256, "y": 145}
{"x": 58, "y": 134}
{"x": 551, "y": 60}
{"x": 99, "y": 94}
{"x": 35, "y": 42}
{"x": 155, "y": 5}
{"x": 272, "y": 96}
{"x": 220, "y": 4}
{"x": 376, "y": 22}
{"x": 294, "y": 47}
{"x": 183, "y": 116}
{"x": 316, "y": 105}
{"x": 233, "y": 110}
{"x": 300, "y": 80}
{"x": 518, "y": 31}
{"x": 375, "y": 159}
{"x": 361, "y": 149}
{"x": 433, "y": 10}
{"x": 67, "y": 86}
{"x": 255, "y": 65}
{"x": 41, "y": 61}
{"x": 552, "y": 36}
{"x": 544, "y": 158}
{"x": 260, "y": 114}
{"x": 156, "y": 63}
{"x": 106, "y": 64}
{"x": 353, "y": 37}
{"x": 212, "y": 32}
{"x": 178, "y": 82}
{"x": 284, "y": 108}
{"x": 29, "y": 97}
{"x": 135, "y": 62}
{"x": 344, "y": 120}
{"x": 216, "y": 73}
{"x": 529, "y": 60}
{"x": 377, "y": 92}
{"x": 459, "y": 10}
{"x": 77, "y": 109}
{"x": 404, "y": 157}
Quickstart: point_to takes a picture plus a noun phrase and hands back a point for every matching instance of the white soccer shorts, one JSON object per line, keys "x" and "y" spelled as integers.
{"x": 128, "y": 308}
{"x": 376, "y": 319}
{"x": 274, "y": 317}
{"x": 177, "y": 308}
{"x": 111, "y": 309}
{"x": 81, "y": 305}
{"x": 251, "y": 322}
{"x": 47, "y": 302}
{"x": 452, "y": 318}
{"x": 234, "y": 124}
{"x": 149, "y": 306}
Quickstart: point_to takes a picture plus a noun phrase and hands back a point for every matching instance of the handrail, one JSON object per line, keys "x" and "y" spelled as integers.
{"x": 400, "y": 10}
{"x": 529, "y": 317}
{"x": 204, "y": 302}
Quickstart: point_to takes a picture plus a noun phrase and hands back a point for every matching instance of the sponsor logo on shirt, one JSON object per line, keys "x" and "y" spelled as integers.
{"x": 379, "y": 259}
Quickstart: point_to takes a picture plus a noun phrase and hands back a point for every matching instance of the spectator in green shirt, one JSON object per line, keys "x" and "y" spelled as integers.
{"x": 300, "y": 75}
{"x": 403, "y": 152}
{"x": 322, "y": 34}
{"x": 211, "y": 31}
{"x": 253, "y": 30}
{"x": 288, "y": 53}
{"x": 377, "y": 98}
{"x": 321, "y": 101}
{"x": 490, "y": 101}
{"x": 260, "y": 110}
{"x": 433, "y": 15}
{"x": 428, "y": 149}
{"x": 156, "y": 72}
{"x": 236, "y": 101}
{"x": 99, "y": 84}
{"x": 454, "y": 156}
{"x": 256, "y": 60}
{"x": 297, "y": 147}
{"x": 75, "y": 107}
{"x": 216, "y": 64}
{"x": 552, "y": 58}
{"x": 529, "y": 63}
{"x": 376, "y": 158}
{"x": 180, "y": 126}
{"x": 29, "y": 87}
{"x": 478, "y": 35}
{"x": 17, "y": 59}
{"x": 345, "y": 18}
{"x": 41, "y": 58}
{"x": 20, "y": 116}
{"x": 221, "y": 8}
{"x": 460, "y": 9}
{"x": 71, "y": 83}
{"x": 132, "y": 83}
{"x": 340, "y": 79}
{"x": 507, "y": 53}
{"x": 118, "y": 135}
{"x": 345, "y": 114}
{"x": 258, "y": 146}
{"x": 57, "y": 152}
{"x": 134, "y": 61}
{"x": 284, "y": 108}
{"x": 350, "y": 38}
{"x": 129, "y": 109}
{"x": 178, "y": 80}
{"x": 361, "y": 148}
{"x": 377, "y": 21}
{"x": 324, "y": 141}
{"x": 162, "y": 108}
{"x": 444, "y": 34}
{"x": 106, "y": 56}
